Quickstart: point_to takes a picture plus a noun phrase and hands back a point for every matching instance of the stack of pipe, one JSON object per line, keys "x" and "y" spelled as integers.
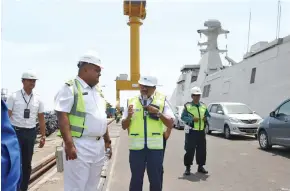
{"x": 50, "y": 122}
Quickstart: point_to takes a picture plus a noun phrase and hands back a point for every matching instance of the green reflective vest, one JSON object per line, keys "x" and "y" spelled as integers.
{"x": 153, "y": 132}
{"x": 77, "y": 114}
{"x": 199, "y": 112}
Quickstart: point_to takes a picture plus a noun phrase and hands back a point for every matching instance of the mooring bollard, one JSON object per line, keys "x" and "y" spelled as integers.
{"x": 59, "y": 158}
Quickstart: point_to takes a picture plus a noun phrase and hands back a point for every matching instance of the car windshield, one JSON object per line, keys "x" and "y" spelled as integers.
{"x": 238, "y": 109}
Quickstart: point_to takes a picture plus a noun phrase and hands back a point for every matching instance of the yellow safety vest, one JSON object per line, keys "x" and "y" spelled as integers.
{"x": 153, "y": 132}
{"x": 197, "y": 111}
{"x": 77, "y": 114}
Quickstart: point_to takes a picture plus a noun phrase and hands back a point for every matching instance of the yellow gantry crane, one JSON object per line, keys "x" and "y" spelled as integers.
{"x": 136, "y": 12}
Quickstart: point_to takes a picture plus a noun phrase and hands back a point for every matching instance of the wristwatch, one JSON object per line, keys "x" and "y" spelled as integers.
{"x": 158, "y": 114}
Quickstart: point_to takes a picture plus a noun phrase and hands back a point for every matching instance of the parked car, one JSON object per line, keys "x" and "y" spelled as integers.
{"x": 178, "y": 123}
{"x": 232, "y": 118}
{"x": 275, "y": 129}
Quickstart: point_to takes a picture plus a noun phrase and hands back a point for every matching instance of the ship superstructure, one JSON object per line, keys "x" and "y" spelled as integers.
{"x": 261, "y": 80}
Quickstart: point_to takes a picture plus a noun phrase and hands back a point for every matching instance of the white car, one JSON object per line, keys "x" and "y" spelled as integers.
{"x": 232, "y": 119}
{"x": 178, "y": 123}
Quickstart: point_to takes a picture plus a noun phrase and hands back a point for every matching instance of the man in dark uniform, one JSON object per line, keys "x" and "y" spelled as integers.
{"x": 195, "y": 116}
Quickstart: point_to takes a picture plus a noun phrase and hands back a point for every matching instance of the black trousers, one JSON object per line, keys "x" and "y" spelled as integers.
{"x": 151, "y": 160}
{"x": 26, "y": 138}
{"x": 164, "y": 143}
{"x": 195, "y": 142}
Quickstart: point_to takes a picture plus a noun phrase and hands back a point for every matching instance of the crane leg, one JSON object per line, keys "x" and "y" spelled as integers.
{"x": 135, "y": 48}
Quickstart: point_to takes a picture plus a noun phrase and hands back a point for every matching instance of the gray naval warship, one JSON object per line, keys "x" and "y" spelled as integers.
{"x": 261, "y": 80}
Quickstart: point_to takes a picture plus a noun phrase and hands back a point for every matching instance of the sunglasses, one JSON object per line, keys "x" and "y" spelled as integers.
{"x": 147, "y": 87}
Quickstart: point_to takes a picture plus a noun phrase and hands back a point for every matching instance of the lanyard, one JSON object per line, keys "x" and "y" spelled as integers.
{"x": 25, "y": 99}
{"x": 146, "y": 102}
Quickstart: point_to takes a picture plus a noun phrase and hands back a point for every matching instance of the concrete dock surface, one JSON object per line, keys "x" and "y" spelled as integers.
{"x": 233, "y": 165}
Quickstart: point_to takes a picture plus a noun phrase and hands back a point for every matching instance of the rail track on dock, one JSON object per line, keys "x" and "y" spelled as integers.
{"x": 44, "y": 166}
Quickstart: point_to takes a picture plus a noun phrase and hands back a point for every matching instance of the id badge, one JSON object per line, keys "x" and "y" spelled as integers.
{"x": 186, "y": 129}
{"x": 26, "y": 113}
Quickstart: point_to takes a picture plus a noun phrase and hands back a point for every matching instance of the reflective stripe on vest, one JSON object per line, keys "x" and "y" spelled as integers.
{"x": 198, "y": 112}
{"x": 154, "y": 127}
{"x": 77, "y": 114}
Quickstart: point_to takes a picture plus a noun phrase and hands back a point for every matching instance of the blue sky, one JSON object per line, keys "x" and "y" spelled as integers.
{"x": 49, "y": 37}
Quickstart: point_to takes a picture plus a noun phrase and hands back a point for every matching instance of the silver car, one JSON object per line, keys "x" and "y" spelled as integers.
{"x": 232, "y": 118}
{"x": 275, "y": 129}
{"x": 178, "y": 123}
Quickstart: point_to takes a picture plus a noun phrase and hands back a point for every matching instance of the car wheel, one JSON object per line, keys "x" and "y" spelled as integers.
{"x": 227, "y": 132}
{"x": 207, "y": 131}
{"x": 263, "y": 140}
{"x": 178, "y": 125}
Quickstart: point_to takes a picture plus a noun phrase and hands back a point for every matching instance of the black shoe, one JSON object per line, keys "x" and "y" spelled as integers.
{"x": 187, "y": 171}
{"x": 202, "y": 170}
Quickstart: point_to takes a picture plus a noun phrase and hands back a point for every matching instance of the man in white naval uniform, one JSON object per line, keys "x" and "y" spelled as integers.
{"x": 84, "y": 152}
{"x": 24, "y": 108}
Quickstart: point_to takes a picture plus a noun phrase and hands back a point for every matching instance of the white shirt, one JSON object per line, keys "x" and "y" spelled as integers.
{"x": 88, "y": 148}
{"x": 166, "y": 111}
{"x": 17, "y": 105}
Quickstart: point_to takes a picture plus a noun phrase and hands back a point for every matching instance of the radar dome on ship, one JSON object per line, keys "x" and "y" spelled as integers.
{"x": 212, "y": 23}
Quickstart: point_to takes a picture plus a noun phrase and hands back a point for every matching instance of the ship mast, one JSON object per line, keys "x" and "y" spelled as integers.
{"x": 278, "y": 20}
{"x": 212, "y": 51}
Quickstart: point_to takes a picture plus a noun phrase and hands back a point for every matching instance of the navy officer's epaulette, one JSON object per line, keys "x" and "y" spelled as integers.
{"x": 100, "y": 91}
{"x": 70, "y": 82}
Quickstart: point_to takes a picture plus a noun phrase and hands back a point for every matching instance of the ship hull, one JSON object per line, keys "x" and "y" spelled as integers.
{"x": 261, "y": 81}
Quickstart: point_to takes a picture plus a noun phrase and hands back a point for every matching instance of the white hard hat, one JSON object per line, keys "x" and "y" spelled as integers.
{"x": 148, "y": 81}
{"x": 195, "y": 91}
{"x": 29, "y": 75}
{"x": 91, "y": 57}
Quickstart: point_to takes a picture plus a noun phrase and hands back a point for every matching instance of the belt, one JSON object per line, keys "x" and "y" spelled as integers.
{"x": 95, "y": 137}
{"x": 23, "y": 128}
{"x": 197, "y": 130}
